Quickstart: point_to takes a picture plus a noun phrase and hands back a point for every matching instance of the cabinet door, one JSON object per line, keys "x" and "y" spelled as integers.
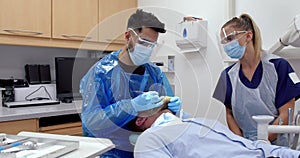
{"x": 74, "y": 19}
{"x": 14, "y": 127}
{"x": 25, "y": 17}
{"x": 113, "y": 16}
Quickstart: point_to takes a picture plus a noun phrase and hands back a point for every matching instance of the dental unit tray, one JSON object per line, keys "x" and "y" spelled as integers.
{"x": 12, "y": 146}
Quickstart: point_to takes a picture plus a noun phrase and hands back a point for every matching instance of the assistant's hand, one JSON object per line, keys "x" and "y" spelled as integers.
{"x": 147, "y": 101}
{"x": 175, "y": 104}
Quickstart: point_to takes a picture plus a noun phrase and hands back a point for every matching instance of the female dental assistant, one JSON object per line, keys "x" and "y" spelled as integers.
{"x": 258, "y": 84}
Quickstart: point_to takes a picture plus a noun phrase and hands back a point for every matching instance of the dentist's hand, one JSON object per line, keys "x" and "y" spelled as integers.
{"x": 175, "y": 104}
{"x": 147, "y": 101}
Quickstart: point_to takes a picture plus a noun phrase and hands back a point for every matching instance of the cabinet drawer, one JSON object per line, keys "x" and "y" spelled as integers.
{"x": 14, "y": 127}
{"x": 73, "y": 128}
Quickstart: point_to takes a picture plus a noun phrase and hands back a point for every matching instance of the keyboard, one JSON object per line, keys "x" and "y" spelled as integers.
{"x": 30, "y": 103}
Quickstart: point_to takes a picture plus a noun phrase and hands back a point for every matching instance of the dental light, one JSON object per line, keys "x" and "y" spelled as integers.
{"x": 291, "y": 37}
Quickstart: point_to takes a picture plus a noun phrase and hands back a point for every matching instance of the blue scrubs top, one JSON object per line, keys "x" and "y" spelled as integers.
{"x": 285, "y": 91}
{"x": 274, "y": 83}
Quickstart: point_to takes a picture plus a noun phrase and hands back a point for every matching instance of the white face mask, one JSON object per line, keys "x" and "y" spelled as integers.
{"x": 164, "y": 118}
{"x": 140, "y": 54}
{"x": 133, "y": 137}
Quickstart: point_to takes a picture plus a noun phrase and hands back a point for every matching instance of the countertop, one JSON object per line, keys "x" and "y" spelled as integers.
{"x": 22, "y": 113}
{"x": 88, "y": 147}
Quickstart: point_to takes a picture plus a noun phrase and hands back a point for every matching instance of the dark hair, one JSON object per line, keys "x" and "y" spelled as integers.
{"x": 245, "y": 22}
{"x": 148, "y": 113}
{"x": 141, "y": 19}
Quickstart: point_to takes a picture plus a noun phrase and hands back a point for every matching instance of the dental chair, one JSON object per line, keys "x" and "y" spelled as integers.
{"x": 263, "y": 128}
{"x": 290, "y": 38}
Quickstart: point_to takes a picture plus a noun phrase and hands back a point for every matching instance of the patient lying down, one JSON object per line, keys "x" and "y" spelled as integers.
{"x": 166, "y": 136}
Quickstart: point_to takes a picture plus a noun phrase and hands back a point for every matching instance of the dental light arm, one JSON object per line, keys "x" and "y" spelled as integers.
{"x": 291, "y": 37}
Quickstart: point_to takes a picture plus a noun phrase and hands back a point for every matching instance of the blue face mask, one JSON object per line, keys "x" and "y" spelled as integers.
{"x": 140, "y": 54}
{"x": 234, "y": 50}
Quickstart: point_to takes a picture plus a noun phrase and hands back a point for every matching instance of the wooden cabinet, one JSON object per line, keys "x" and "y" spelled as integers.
{"x": 73, "y": 128}
{"x": 113, "y": 16}
{"x": 64, "y": 124}
{"x": 74, "y": 19}
{"x": 14, "y": 127}
{"x": 25, "y": 17}
{"x": 65, "y": 23}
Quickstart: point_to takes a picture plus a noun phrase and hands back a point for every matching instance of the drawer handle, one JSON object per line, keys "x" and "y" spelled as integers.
{"x": 23, "y": 32}
{"x": 76, "y": 36}
{"x": 116, "y": 40}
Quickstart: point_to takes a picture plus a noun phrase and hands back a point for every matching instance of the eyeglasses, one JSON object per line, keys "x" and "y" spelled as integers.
{"x": 144, "y": 42}
{"x": 230, "y": 36}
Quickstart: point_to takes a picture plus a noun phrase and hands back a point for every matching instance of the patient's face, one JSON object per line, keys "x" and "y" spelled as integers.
{"x": 148, "y": 121}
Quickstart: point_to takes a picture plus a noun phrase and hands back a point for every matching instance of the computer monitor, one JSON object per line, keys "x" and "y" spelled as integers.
{"x": 68, "y": 73}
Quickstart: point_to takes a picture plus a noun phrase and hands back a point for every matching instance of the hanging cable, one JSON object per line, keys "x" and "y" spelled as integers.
{"x": 38, "y": 98}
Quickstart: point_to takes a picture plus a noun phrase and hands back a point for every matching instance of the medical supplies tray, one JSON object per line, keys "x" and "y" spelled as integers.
{"x": 32, "y": 147}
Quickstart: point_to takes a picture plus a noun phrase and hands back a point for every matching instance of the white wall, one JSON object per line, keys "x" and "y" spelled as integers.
{"x": 14, "y": 58}
{"x": 197, "y": 73}
{"x": 272, "y": 16}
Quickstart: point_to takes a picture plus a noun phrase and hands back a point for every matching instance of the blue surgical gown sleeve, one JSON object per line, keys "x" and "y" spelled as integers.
{"x": 99, "y": 117}
{"x": 159, "y": 77}
{"x": 106, "y": 104}
{"x": 167, "y": 86}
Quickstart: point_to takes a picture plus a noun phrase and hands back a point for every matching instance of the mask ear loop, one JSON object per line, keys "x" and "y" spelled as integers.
{"x": 246, "y": 40}
{"x": 131, "y": 39}
{"x": 223, "y": 29}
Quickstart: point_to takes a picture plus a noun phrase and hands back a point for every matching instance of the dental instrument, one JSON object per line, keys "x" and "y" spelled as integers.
{"x": 2, "y": 137}
{"x": 290, "y": 122}
{"x": 280, "y": 122}
{"x": 13, "y": 144}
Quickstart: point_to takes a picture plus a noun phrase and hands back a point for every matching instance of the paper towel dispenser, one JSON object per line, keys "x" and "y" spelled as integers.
{"x": 193, "y": 35}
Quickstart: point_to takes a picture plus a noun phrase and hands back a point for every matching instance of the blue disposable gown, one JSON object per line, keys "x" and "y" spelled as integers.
{"x": 107, "y": 91}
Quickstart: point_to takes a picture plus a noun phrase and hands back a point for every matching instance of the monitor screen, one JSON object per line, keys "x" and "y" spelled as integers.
{"x": 68, "y": 73}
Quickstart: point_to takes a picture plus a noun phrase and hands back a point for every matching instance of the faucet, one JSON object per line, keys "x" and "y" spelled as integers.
{"x": 296, "y": 137}
{"x": 263, "y": 128}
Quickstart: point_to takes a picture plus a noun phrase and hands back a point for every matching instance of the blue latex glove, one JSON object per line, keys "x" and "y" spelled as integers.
{"x": 175, "y": 104}
{"x": 147, "y": 101}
